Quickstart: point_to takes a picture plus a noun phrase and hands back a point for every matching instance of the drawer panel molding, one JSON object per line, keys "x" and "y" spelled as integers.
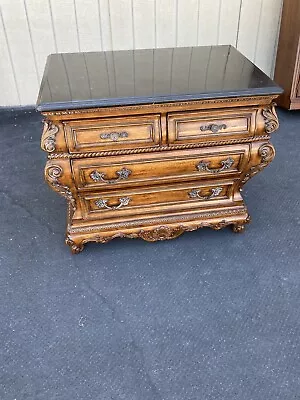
{"x": 91, "y": 174}
{"x": 113, "y": 133}
{"x": 151, "y": 200}
{"x": 200, "y": 126}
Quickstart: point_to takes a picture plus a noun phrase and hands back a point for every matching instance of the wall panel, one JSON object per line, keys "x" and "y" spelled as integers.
{"x": 64, "y": 22}
{"x": 187, "y": 23}
{"x": 105, "y": 24}
{"x": 268, "y": 34}
{"x": 32, "y": 29}
{"x": 249, "y": 26}
{"x": 22, "y": 51}
{"x": 88, "y": 25}
{"x": 121, "y": 16}
{"x": 41, "y": 30}
{"x": 166, "y": 22}
{"x": 208, "y": 22}
{"x": 229, "y": 21}
{"x": 9, "y": 90}
{"x": 144, "y": 23}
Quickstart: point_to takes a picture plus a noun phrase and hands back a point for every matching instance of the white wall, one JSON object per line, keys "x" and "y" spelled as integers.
{"x": 32, "y": 29}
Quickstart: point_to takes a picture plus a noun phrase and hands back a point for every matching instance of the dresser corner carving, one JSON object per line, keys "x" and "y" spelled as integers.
{"x": 75, "y": 248}
{"x": 266, "y": 153}
{"x": 270, "y": 118}
{"x": 239, "y": 227}
{"x": 52, "y": 175}
{"x": 48, "y": 142}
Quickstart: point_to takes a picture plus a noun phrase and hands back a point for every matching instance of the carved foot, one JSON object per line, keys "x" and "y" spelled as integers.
{"x": 75, "y": 248}
{"x": 238, "y": 228}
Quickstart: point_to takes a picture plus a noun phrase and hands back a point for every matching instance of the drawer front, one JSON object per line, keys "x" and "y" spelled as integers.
{"x": 159, "y": 168}
{"x": 210, "y": 126}
{"x": 155, "y": 200}
{"x": 103, "y": 134}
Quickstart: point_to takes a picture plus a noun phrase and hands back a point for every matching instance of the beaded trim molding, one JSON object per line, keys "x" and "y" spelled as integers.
{"x": 160, "y": 105}
{"x": 156, "y": 149}
{"x": 155, "y": 221}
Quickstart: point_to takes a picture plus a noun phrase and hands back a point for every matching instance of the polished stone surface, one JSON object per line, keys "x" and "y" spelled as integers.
{"x": 81, "y": 80}
{"x": 211, "y": 315}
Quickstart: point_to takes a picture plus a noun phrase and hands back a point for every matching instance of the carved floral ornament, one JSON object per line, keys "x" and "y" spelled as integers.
{"x": 271, "y": 119}
{"x": 49, "y": 136}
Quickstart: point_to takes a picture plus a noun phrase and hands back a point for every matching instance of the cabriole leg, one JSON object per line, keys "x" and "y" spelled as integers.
{"x": 75, "y": 247}
{"x": 238, "y": 228}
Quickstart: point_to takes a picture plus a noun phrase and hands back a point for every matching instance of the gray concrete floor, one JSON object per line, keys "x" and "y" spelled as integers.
{"x": 209, "y": 316}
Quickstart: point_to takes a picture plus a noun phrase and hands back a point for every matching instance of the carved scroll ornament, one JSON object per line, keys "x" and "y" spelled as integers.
{"x": 271, "y": 119}
{"x": 267, "y": 154}
{"x": 48, "y": 142}
{"x": 52, "y": 175}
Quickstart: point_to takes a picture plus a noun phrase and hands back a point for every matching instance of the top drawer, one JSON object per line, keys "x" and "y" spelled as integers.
{"x": 198, "y": 126}
{"x": 103, "y": 134}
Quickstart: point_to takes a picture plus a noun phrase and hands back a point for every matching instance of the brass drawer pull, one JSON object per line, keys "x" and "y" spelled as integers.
{"x": 114, "y": 136}
{"x": 214, "y": 193}
{"x": 226, "y": 164}
{"x": 100, "y": 176}
{"x": 123, "y": 201}
{"x": 213, "y": 127}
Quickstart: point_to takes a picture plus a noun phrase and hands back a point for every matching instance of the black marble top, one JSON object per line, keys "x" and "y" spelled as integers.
{"x": 97, "y": 79}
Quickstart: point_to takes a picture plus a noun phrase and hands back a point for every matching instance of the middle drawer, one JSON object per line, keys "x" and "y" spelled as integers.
{"x": 160, "y": 167}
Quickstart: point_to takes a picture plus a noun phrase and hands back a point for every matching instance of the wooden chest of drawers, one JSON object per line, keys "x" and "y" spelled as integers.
{"x": 171, "y": 159}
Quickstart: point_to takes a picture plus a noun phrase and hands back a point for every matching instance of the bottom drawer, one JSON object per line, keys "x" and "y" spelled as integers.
{"x": 168, "y": 198}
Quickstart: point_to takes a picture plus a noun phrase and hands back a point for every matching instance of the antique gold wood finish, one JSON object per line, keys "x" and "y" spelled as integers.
{"x": 153, "y": 143}
{"x": 161, "y": 167}
{"x": 162, "y": 178}
{"x": 112, "y": 133}
{"x": 210, "y": 126}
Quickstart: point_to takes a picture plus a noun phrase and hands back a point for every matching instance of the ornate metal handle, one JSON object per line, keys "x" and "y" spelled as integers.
{"x": 225, "y": 164}
{"x": 123, "y": 201}
{"x": 114, "y": 136}
{"x": 214, "y": 193}
{"x": 100, "y": 176}
{"x": 213, "y": 127}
